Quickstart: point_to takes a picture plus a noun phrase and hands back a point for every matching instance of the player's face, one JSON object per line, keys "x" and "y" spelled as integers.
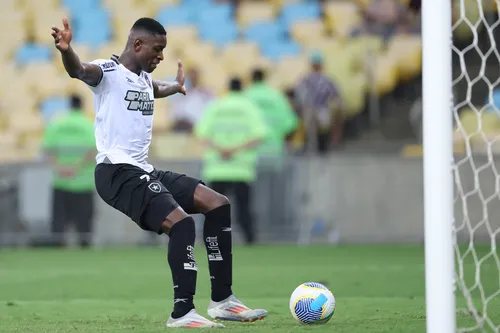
{"x": 150, "y": 52}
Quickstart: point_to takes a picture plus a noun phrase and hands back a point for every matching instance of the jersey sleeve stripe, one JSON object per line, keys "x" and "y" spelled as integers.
{"x": 115, "y": 58}
{"x": 100, "y": 78}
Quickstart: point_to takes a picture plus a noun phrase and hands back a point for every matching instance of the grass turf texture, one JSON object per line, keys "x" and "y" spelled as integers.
{"x": 378, "y": 288}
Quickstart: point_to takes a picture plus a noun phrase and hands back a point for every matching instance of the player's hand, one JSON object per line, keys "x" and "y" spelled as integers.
{"x": 62, "y": 38}
{"x": 180, "y": 77}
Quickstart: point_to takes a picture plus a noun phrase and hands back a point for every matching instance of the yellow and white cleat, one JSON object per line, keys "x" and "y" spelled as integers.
{"x": 191, "y": 320}
{"x": 233, "y": 310}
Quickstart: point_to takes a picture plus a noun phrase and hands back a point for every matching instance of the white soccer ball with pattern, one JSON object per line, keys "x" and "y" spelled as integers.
{"x": 312, "y": 303}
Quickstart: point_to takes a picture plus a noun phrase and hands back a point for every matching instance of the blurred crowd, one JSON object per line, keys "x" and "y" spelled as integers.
{"x": 315, "y": 99}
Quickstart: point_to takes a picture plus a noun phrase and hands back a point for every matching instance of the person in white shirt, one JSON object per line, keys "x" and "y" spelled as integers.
{"x": 188, "y": 110}
{"x": 157, "y": 200}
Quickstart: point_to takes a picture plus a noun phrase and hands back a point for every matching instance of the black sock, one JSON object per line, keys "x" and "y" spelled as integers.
{"x": 183, "y": 265}
{"x": 218, "y": 241}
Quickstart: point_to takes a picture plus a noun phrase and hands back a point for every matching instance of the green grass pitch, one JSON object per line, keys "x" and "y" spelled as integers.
{"x": 378, "y": 288}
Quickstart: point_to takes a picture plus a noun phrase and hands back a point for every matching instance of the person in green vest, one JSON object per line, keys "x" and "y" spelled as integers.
{"x": 70, "y": 147}
{"x": 282, "y": 120}
{"x": 232, "y": 128}
{"x": 278, "y": 114}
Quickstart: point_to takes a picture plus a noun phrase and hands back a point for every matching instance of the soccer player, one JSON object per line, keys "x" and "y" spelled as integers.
{"x": 156, "y": 200}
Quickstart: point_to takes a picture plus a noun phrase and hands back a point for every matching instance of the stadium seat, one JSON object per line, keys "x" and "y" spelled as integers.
{"x": 122, "y": 21}
{"x": 84, "y": 30}
{"x": 215, "y": 14}
{"x": 38, "y": 6}
{"x": 471, "y": 13}
{"x": 10, "y": 5}
{"x": 363, "y": 48}
{"x": 180, "y": 36}
{"x": 406, "y": 51}
{"x": 233, "y": 52}
{"x": 303, "y": 30}
{"x": 40, "y": 24}
{"x": 299, "y": 11}
{"x": 265, "y": 32}
{"x": 53, "y": 106}
{"x": 243, "y": 68}
{"x": 178, "y": 15}
{"x": 13, "y": 81}
{"x": 220, "y": 34}
{"x": 386, "y": 74}
{"x": 160, "y": 121}
{"x": 43, "y": 79}
{"x": 15, "y": 35}
{"x": 119, "y": 6}
{"x": 252, "y": 12}
{"x": 106, "y": 51}
{"x": 473, "y": 124}
{"x": 194, "y": 54}
{"x": 31, "y": 52}
{"x": 154, "y": 6}
{"x": 214, "y": 77}
{"x": 342, "y": 17}
{"x": 75, "y": 7}
{"x": 84, "y": 51}
{"x": 353, "y": 89}
{"x": 25, "y": 122}
{"x": 185, "y": 146}
{"x": 280, "y": 49}
{"x": 289, "y": 71}
{"x": 167, "y": 70}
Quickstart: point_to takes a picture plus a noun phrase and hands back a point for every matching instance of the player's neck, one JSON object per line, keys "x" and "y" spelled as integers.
{"x": 129, "y": 63}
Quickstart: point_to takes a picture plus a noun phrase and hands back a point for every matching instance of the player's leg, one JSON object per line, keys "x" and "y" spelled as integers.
{"x": 195, "y": 197}
{"x": 245, "y": 217}
{"x": 143, "y": 198}
{"x": 224, "y": 305}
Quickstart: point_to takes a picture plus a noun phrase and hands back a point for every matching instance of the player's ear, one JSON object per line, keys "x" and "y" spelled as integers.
{"x": 138, "y": 45}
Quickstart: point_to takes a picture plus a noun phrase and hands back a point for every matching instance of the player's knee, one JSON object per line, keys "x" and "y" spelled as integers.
{"x": 174, "y": 217}
{"x": 220, "y": 200}
{"x": 207, "y": 199}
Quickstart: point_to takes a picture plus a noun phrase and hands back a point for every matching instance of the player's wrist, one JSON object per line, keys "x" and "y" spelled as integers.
{"x": 177, "y": 86}
{"x": 65, "y": 50}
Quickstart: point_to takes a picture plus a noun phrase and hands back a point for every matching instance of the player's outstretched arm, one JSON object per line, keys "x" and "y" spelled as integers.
{"x": 163, "y": 89}
{"x": 88, "y": 73}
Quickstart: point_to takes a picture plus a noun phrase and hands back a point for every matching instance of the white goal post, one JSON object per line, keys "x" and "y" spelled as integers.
{"x": 461, "y": 191}
{"x": 438, "y": 158}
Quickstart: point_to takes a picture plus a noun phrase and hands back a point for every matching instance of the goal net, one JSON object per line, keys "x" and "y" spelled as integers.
{"x": 476, "y": 163}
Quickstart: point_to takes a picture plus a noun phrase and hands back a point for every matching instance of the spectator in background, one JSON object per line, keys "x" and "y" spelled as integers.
{"x": 297, "y": 138}
{"x": 383, "y": 18}
{"x": 189, "y": 109}
{"x": 281, "y": 121}
{"x": 231, "y": 128}
{"x": 321, "y": 108}
{"x": 276, "y": 111}
{"x": 70, "y": 147}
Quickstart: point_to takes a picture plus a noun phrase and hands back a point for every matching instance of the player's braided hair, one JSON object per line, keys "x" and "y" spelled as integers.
{"x": 149, "y": 25}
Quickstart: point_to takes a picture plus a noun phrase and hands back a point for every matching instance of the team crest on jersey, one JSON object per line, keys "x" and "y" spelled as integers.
{"x": 140, "y": 101}
{"x": 155, "y": 187}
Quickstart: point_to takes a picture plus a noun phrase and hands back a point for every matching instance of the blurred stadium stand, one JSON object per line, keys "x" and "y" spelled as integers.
{"x": 217, "y": 37}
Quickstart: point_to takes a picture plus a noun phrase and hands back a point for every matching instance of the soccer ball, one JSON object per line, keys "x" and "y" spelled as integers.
{"x": 312, "y": 303}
